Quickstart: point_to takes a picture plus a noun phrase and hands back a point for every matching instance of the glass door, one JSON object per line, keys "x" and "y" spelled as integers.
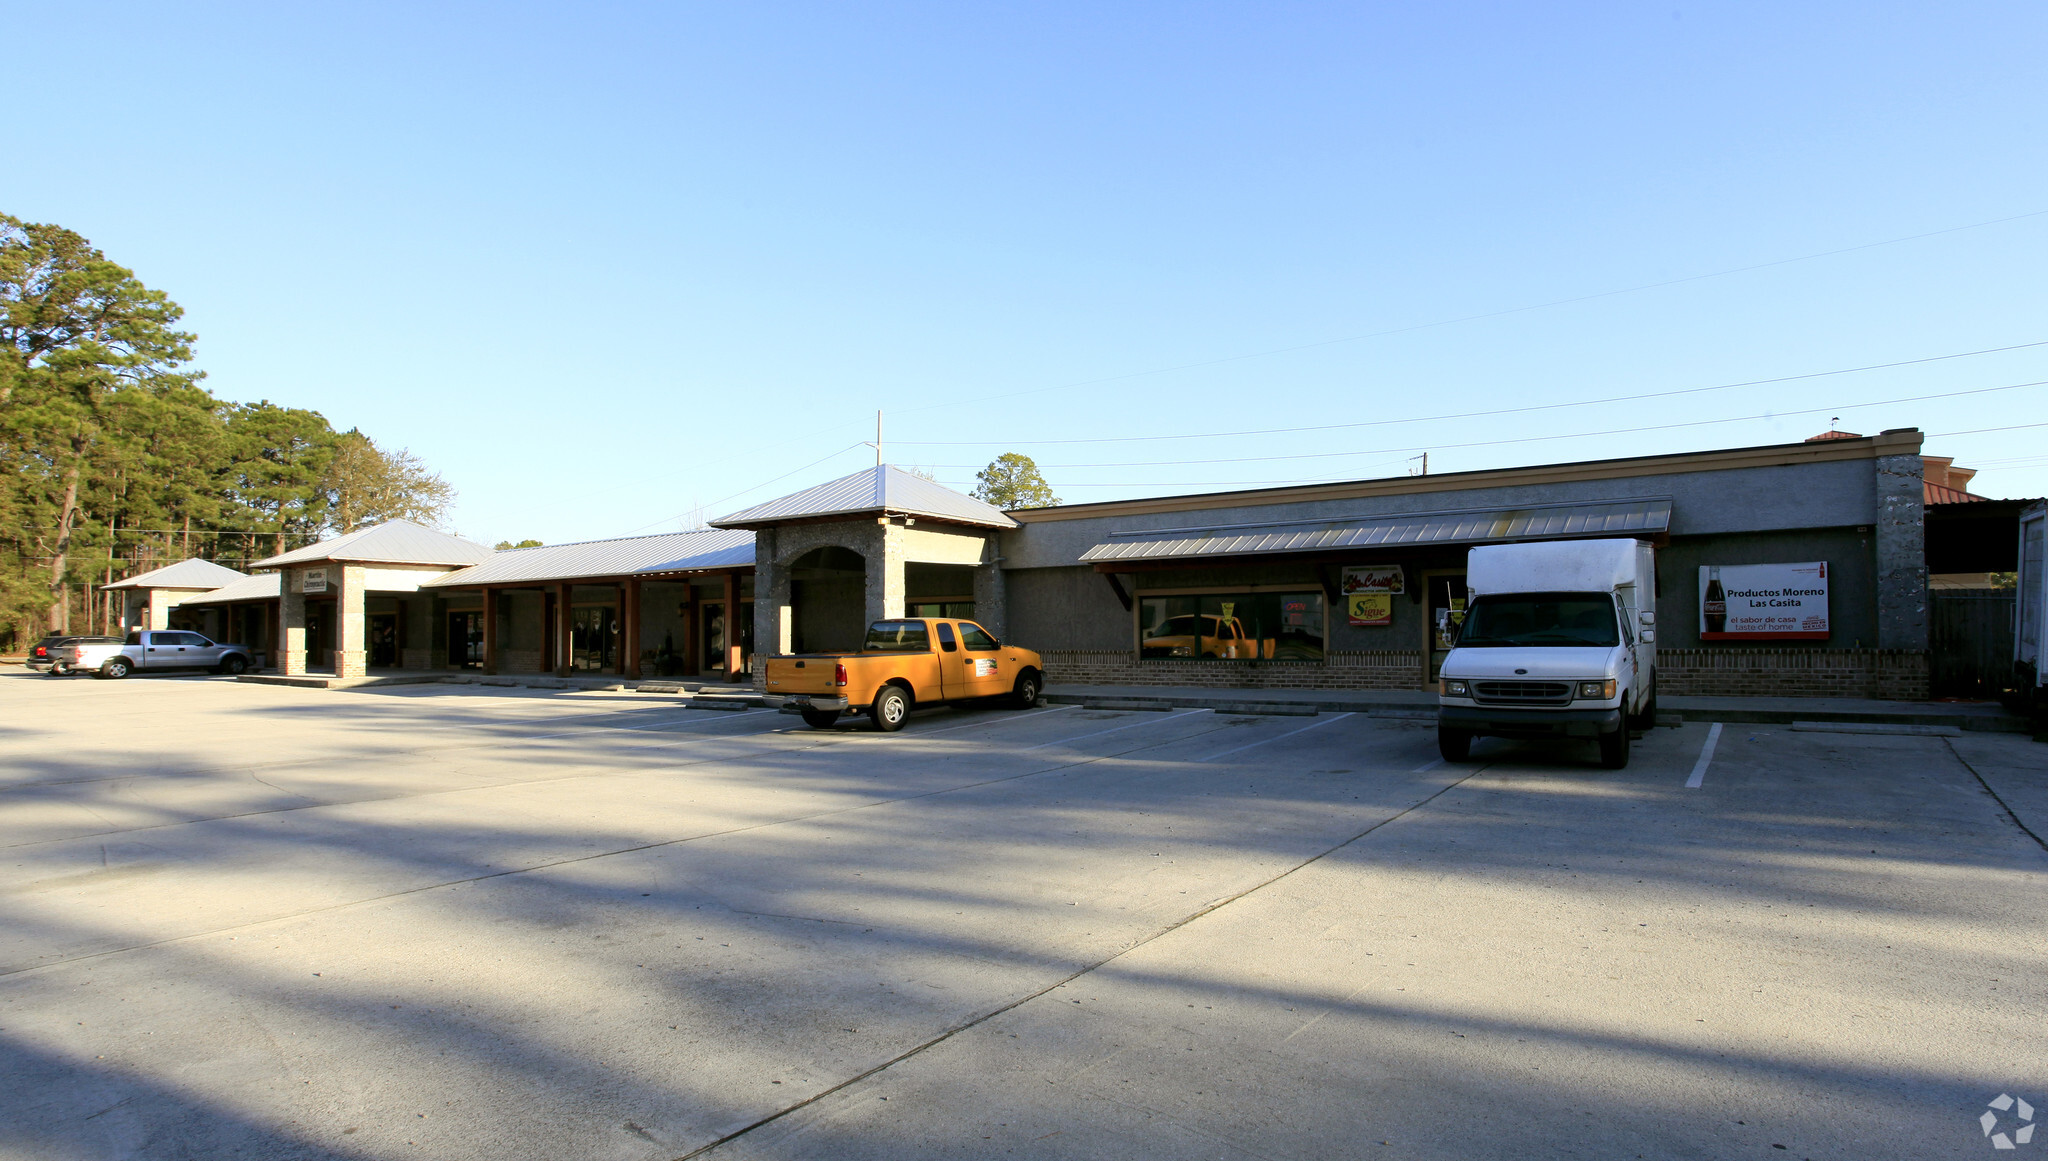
{"x": 594, "y": 639}
{"x": 1446, "y": 613}
{"x": 466, "y": 640}
{"x": 712, "y": 664}
{"x": 383, "y": 640}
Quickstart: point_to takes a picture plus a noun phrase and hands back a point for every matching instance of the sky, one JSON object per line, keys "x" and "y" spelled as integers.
{"x": 615, "y": 269}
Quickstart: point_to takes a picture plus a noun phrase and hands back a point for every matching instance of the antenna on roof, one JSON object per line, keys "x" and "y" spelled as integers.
{"x": 877, "y": 445}
{"x": 1832, "y": 421}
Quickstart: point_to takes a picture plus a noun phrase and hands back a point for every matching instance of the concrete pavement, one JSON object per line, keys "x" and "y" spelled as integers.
{"x": 456, "y": 922}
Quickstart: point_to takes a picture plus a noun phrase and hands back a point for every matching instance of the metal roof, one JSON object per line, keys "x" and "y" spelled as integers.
{"x": 261, "y": 587}
{"x": 186, "y": 574}
{"x": 883, "y": 488}
{"x": 392, "y": 542}
{"x": 628, "y": 556}
{"x": 1461, "y": 526}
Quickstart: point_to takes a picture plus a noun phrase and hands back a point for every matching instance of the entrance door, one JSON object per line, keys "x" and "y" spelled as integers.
{"x": 1446, "y": 613}
{"x": 594, "y": 639}
{"x": 383, "y": 640}
{"x": 466, "y": 640}
{"x": 712, "y": 663}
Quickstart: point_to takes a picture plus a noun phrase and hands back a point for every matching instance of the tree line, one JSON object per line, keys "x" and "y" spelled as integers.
{"x": 117, "y": 460}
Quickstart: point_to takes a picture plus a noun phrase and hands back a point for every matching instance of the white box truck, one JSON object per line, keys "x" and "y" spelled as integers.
{"x": 1558, "y": 641}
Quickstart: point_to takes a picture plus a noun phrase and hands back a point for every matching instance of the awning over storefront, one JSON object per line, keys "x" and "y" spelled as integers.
{"x": 1647, "y": 518}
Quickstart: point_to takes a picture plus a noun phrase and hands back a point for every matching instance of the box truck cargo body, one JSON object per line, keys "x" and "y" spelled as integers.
{"x": 1558, "y": 641}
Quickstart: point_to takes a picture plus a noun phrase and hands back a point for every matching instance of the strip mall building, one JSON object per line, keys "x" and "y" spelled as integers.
{"x": 1340, "y": 586}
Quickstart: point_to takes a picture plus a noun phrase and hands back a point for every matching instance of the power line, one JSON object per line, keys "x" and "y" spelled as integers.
{"x": 1488, "y": 314}
{"x": 1542, "y": 438}
{"x": 1489, "y": 413}
{"x": 755, "y": 488}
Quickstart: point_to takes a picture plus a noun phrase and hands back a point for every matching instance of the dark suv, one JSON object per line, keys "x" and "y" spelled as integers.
{"x": 47, "y": 655}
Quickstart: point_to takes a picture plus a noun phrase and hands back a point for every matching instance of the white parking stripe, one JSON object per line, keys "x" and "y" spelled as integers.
{"x": 1051, "y": 709}
{"x": 1699, "y": 768}
{"x": 1113, "y": 730}
{"x": 1288, "y": 734}
{"x": 1426, "y": 767}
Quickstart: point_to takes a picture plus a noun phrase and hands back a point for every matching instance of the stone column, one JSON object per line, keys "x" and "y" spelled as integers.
{"x": 291, "y": 615}
{"x": 774, "y": 627}
{"x": 159, "y": 609}
{"x": 1901, "y": 548}
{"x": 437, "y": 632}
{"x": 885, "y": 586}
{"x": 564, "y": 620}
{"x": 991, "y": 601}
{"x": 351, "y": 625}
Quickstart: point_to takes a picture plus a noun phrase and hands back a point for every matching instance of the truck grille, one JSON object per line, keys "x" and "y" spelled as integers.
{"x": 1522, "y": 692}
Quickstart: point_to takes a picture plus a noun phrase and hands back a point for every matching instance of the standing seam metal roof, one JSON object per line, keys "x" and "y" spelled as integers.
{"x": 1460, "y": 526}
{"x": 627, "y": 556}
{"x": 882, "y": 488}
{"x": 392, "y": 542}
{"x": 261, "y": 587}
{"x": 186, "y": 574}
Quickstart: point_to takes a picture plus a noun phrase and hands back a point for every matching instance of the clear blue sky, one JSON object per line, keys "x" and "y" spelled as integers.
{"x": 603, "y": 265}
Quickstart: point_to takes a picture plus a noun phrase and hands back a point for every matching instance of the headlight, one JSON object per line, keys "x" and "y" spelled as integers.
{"x": 1453, "y": 688}
{"x": 1596, "y": 690}
{"x": 1182, "y": 651}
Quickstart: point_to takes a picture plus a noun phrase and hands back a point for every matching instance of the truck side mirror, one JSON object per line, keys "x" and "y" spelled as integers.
{"x": 1647, "y": 617}
{"x": 1649, "y": 636}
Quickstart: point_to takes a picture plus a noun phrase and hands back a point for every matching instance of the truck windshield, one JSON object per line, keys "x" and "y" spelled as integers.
{"x": 1568, "y": 619}
{"x": 889, "y": 636}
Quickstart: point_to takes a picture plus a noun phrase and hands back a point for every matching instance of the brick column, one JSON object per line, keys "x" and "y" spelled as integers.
{"x": 351, "y": 625}
{"x": 159, "y": 609}
{"x": 563, "y": 651}
{"x": 291, "y": 616}
{"x": 773, "y": 625}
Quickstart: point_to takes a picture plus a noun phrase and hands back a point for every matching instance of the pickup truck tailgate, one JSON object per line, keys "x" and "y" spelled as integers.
{"x": 788, "y": 675}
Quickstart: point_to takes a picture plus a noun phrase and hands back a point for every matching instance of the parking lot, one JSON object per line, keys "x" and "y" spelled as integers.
{"x": 457, "y": 922}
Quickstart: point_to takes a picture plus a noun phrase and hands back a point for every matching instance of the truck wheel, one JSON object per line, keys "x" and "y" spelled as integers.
{"x": 1026, "y": 694}
{"x": 819, "y": 719}
{"x": 890, "y": 708}
{"x": 1647, "y": 720}
{"x": 1614, "y": 749}
{"x": 1454, "y": 745}
{"x": 115, "y": 668}
{"x": 235, "y": 666}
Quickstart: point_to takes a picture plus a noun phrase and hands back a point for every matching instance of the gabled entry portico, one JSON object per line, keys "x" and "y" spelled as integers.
{"x": 916, "y": 542}
{"x": 334, "y": 578}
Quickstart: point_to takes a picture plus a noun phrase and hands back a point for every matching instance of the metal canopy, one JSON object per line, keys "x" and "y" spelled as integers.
{"x": 669, "y": 552}
{"x": 1647, "y": 517}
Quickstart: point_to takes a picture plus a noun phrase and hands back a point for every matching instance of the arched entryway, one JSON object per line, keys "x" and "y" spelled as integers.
{"x": 828, "y": 600}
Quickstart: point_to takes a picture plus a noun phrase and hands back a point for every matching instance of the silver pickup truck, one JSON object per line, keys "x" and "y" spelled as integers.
{"x": 158, "y": 650}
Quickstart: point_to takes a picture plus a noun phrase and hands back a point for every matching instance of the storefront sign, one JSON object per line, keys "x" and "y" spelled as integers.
{"x": 315, "y": 580}
{"x": 1369, "y": 594}
{"x": 1764, "y": 602}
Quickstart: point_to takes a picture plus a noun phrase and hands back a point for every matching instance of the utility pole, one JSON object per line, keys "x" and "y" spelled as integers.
{"x": 877, "y": 445}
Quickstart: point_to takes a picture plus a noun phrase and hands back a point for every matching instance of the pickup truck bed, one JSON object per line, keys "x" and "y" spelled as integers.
{"x": 908, "y": 662}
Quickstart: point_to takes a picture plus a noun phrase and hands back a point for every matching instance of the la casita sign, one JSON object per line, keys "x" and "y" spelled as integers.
{"x": 1764, "y": 602}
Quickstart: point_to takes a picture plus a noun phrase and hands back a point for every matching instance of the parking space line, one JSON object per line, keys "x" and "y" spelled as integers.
{"x": 1426, "y": 767}
{"x": 1288, "y": 734}
{"x": 1113, "y": 730}
{"x": 984, "y": 721}
{"x": 1699, "y": 768}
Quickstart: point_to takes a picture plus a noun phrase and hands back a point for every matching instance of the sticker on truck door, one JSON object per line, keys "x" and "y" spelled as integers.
{"x": 984, "y": 667}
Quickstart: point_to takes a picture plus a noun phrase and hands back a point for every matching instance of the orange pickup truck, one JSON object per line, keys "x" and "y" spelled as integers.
{"x": 904, "y": 663}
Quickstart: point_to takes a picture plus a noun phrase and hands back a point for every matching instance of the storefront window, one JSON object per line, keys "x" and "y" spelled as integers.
{"x": 1232, "y": 626}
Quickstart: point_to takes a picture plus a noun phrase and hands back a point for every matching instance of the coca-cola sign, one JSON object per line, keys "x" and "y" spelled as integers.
{"x": 1764, "y": 602}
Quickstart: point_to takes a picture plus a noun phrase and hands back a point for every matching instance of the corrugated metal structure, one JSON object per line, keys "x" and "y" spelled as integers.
{"x": 882, "y": 490}
{"x": 186, "y": 574}
{"x": 642, "y": 556}
{"x": 261, "y": 587}
{"x": 392, "y": 542}
{"x": 1643, "y": 517}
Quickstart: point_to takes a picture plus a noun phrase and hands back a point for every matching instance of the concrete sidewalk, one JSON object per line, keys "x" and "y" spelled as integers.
{"x": 1414, "y": 703}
